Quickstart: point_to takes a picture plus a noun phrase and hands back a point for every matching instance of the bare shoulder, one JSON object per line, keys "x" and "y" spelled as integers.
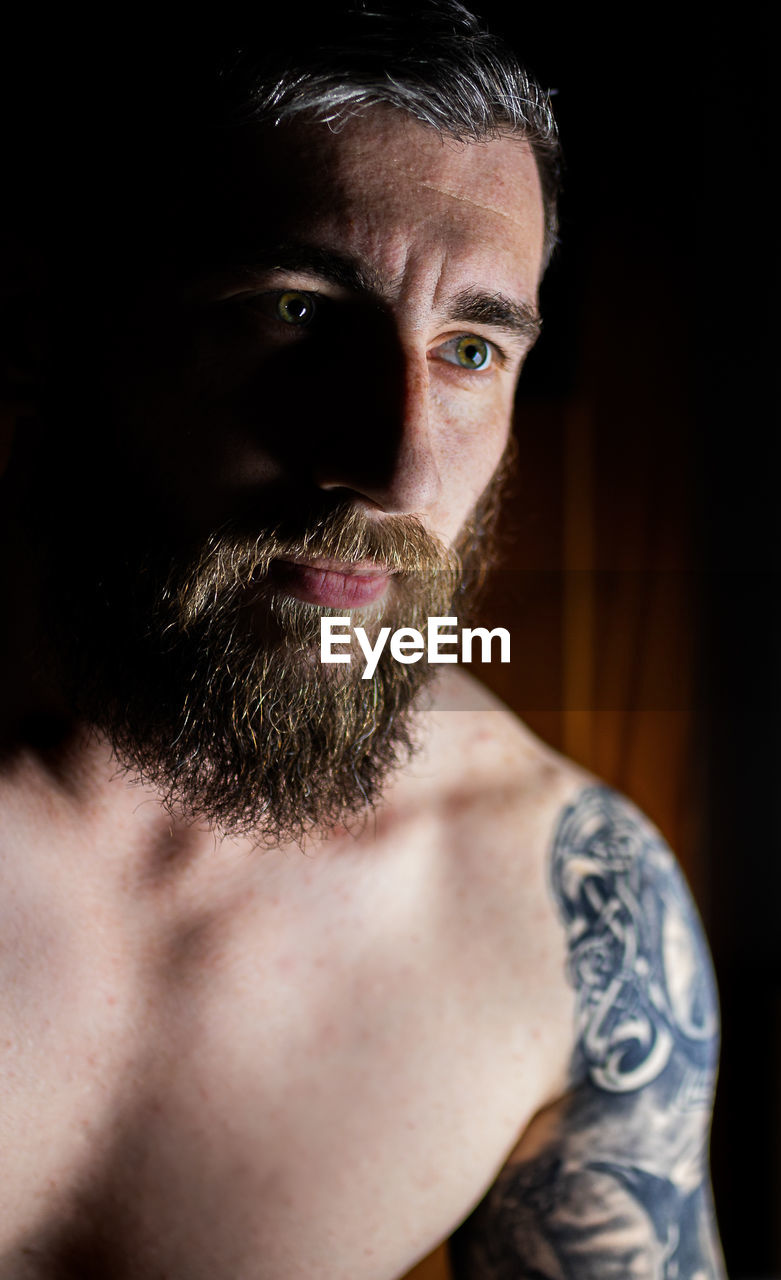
{"x": 481, "y": 747}
{"x": 501, "y": 792}
{"x": 498, "y": 792}
{"x": 610, "y": 1176}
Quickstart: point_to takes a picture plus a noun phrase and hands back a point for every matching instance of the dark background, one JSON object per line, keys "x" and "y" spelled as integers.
{"x": 661, "y": 337}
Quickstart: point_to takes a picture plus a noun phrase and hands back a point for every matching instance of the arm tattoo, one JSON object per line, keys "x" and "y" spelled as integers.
{"x": 622, "y": 1191}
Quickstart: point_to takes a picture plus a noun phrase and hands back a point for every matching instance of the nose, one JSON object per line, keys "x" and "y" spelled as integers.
{"x": 385, "y": 452}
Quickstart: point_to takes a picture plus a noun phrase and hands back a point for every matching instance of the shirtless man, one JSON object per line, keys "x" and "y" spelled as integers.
{"x": 303, "y": 974}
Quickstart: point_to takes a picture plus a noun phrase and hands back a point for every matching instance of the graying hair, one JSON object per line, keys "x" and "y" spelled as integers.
{"x": 431, "y": 59}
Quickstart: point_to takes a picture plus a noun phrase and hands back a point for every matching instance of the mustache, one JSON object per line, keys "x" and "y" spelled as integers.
{"x": 231, "y": 560}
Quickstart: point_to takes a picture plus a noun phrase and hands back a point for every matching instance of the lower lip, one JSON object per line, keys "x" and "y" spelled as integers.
{"x": 329, "y": 587}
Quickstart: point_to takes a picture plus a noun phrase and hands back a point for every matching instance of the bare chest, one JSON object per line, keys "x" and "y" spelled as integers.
{"x": 255, "y": 1103}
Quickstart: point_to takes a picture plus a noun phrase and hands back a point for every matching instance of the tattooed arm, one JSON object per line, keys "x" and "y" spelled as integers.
{"x": 611, "y": 1182}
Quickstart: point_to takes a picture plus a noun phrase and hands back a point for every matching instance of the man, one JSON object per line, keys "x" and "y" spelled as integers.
{"x": 305, "y": 973}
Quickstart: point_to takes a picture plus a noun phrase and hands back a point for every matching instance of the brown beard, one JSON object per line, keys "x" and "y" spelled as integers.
{"x": 206, "y": 679}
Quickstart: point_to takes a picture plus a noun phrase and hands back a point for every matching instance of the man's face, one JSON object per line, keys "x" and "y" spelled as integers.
{"x": 318, "y": 383}
{"x": 397, "y": 243}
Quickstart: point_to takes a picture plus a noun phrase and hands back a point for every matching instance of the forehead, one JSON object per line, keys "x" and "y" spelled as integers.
{"x": 383, "y": 186}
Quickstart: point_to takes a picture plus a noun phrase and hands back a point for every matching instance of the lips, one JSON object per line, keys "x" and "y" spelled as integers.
{"x": 330, "y": 584}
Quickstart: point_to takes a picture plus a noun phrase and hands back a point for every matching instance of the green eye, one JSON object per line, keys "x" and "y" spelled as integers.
{"x": 472, "y": 352}
{"x": 468, "y": 351}
{"x": 295, "y": 308}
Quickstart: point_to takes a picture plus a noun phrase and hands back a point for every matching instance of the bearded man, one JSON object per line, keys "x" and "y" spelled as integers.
{"x": 305, "y": 973}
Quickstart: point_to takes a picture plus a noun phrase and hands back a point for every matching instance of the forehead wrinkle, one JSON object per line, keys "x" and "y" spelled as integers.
{"x": 476, "y": 204}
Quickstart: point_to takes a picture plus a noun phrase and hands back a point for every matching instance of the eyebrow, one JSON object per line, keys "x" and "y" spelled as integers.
{"x": 519, "y": 319}
{"x": 329, "y": 264}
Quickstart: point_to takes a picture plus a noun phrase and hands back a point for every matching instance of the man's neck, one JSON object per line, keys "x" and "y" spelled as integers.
{"x": 63, "y": 795}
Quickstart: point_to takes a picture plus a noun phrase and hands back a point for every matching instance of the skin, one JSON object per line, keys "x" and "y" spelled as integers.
{"x": 218, "y": 1063}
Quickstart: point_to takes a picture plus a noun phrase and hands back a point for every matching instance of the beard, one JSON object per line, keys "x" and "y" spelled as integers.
{"x": 205, "y": 679}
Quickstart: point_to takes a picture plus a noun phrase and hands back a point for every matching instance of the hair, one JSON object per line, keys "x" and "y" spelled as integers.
{"x": 429, "y": 58}
{"x": 111, "y": 146}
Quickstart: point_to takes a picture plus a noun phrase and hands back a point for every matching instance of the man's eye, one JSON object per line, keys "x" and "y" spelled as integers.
{"x": 470, "y": 352}
{"x": 295, "y": 308}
